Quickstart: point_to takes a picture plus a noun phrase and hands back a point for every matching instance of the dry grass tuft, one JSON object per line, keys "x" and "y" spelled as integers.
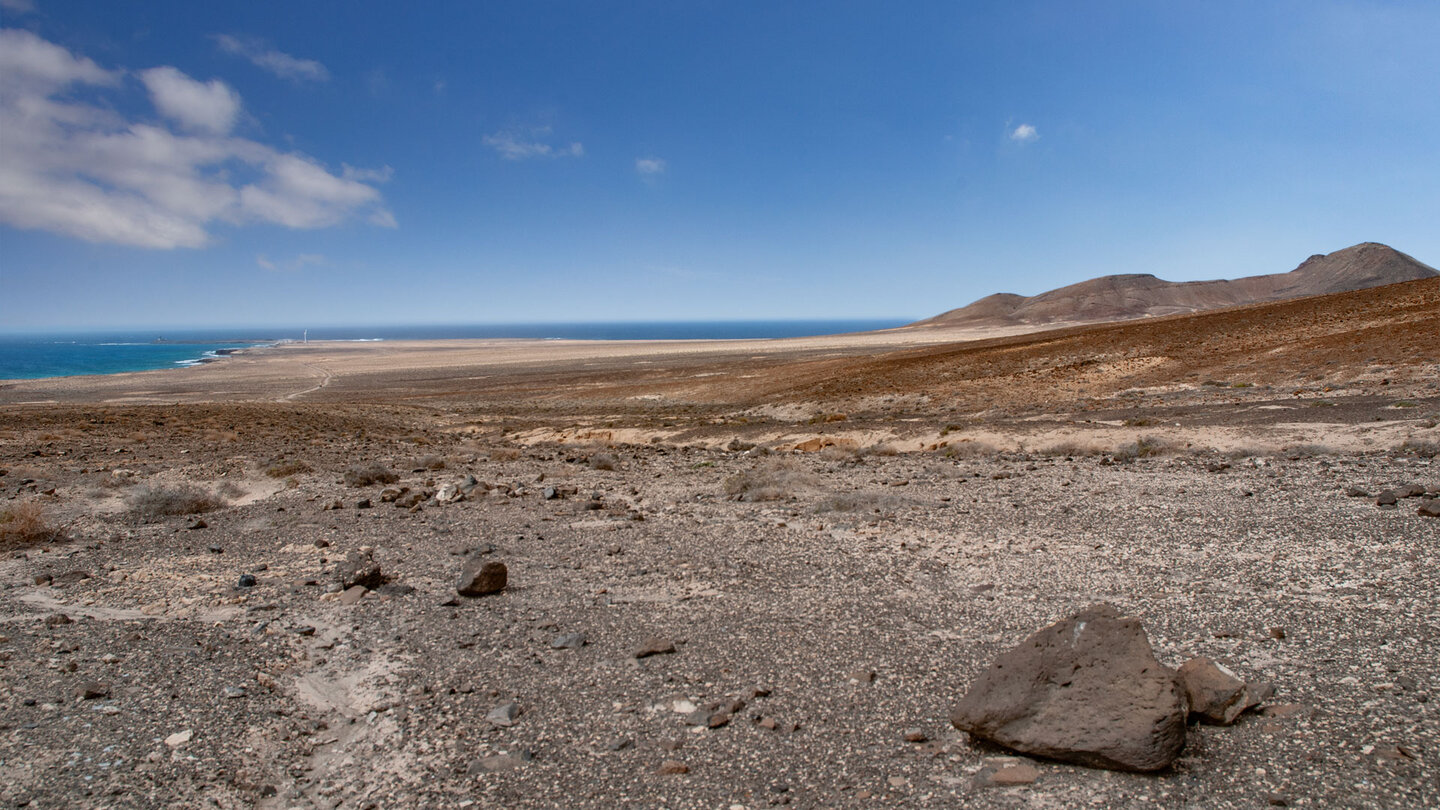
{"x": 773, "y": 480}
{"x": 186, "y": 499}
{"x": 363, "y": 475}
{"x": 603, "y": 461}
{"x": 859, "y": 502}
{"x": 24, "y": 524}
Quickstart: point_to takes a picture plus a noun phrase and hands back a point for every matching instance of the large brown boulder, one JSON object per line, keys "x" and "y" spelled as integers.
{"x": 480, "y": 577}
{"x": 1086, "y": 690}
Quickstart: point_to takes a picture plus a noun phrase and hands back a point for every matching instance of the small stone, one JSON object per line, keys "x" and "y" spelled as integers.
{"x": 353, "y": 594}
{"x": 246, "y": 581}
{"x": 568, "y": 641}
{"x": 672, "y": 743}
{"x": 549, "y": 493}
{"x": 322, "y": 543}
{"x": 197, "y": 523}
{"x": 1356, "y": 492}
{"x": 654, "y": 646}
{"x": 1430, "y": 508}
{"x": 214, "y": 549}
{"x": 359, "y": 568}
{"x": 915, "y": 735}
{"x": 480, "y": 577}
{"x": 504, "y": 715}
{"x": 305, "y": 630}
{"x": 1386, "y": 497}
{"x": 363, "y": 503}
{"x": 57, "y": 619}
{"x": 1216, "y": 694}
{"x": 233, "y": 692}
{"x": 622, "y": 744}
{"x": 1277, "y": 633}
{"x": 768, "y": 723}
{"x": 1409, "y": 491}
{"x": 94, "y": 690}
{"x": 862, "y": 676}
{"x": 1011, "y": 775}
{"x": 179, "y": 738}
{"x": 673, "y": 766}
{"x": 1276, "y": 800}
{"x": 43, "y": 579}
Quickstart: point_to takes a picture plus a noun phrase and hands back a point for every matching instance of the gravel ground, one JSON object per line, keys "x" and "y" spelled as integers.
{"x": 849, "y": 612}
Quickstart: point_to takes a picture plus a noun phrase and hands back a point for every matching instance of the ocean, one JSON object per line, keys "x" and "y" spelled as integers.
{"x": 33, "y": 356}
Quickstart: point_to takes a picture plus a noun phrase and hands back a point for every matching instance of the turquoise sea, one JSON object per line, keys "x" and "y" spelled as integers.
{"x": 31, "y": 356}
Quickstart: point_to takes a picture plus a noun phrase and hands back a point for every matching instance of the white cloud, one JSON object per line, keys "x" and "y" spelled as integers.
{"x": 648, "y": 167}
{"x": 277, "y": 62}
{"x": 208, "y": 105}
{"x": 18, "y": 6}
{"x": 1025, "y": 133}
{"x": 519, "y": 144}
{"x": 79, "y": 169}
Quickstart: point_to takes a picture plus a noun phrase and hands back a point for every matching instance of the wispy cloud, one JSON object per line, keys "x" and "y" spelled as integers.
{"x": 517, "y": 143}
{"x": 277, "y": 62}
{"x": 79, "y": 168}
{"x": 300, "y": 262}
{"x": 1024, "y": 133}
{"x": 18, "y": 6}
{"x": 651, "y": 166}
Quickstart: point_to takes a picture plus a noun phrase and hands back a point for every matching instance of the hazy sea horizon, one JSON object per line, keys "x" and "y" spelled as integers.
{"x": 37, "y": 355}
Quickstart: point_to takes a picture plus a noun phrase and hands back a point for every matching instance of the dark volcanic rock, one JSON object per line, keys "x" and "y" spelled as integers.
{"x": 1086, "y": 690}
{"x": 480, "y": 577}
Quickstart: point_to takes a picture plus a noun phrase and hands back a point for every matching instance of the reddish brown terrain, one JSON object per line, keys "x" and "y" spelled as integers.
{"x": 834, "y": 536}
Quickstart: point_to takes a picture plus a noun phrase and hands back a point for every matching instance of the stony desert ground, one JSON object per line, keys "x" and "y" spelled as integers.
{"x": 822, "y": 542}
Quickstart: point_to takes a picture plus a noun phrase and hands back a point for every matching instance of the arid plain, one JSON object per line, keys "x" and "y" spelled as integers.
{"x": 832, "y": 536}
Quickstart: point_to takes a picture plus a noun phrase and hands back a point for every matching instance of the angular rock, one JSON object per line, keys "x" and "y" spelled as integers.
{"x": 672, "y": 766}
{"x": 1217, "y": 696}
{"x": 504, "y": 715}
{"x": 569, "y": 641}
{"x": 359, "y": 568}
{"x": 94, "y": 690}
{"x": 1387, "y": 497}
{"x": 1430, "y": 508}
{"x": 480, "y": 577}
{"x": 353, "y": 594}
{"x": 1356, "y": 492}
{"x": 654, "y": 646}
{"x": 1086, "y": 690}
{"x": 1409, "y": 491}
{"x": 450, "y": 493}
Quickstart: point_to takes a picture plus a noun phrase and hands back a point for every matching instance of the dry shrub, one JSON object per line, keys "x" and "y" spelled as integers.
{"x": 603, "y": 461}
{"x": 1418, "y": 447}
{"x": 773, "y": 480}
{"x": 429, "y": 462}
{"x": 363, "y": 475}
{"x": 185, "y": 499}
{"x": 1069, "y": 448}
{"x": 24, "y": 524}
{"x": 1145, "y": 447}
{"x": 287, "y": 467}
{"x": 969, "y": 449}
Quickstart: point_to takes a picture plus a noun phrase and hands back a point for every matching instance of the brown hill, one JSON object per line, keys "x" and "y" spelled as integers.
{"x": 1125, "y": 297}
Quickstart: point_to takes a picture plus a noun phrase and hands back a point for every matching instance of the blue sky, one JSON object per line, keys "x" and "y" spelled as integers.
{"x": 290, "y": 164}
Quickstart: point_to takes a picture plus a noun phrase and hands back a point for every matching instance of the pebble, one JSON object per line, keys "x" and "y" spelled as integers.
{"x": 232, "y": 692}
{"x": 568, "y": 641}
{"x": 504, "y": 715}
{"x": 246, "y": 581}
{"x": 915, "y": 735}
{"x": 94, "y": 690}
{"x": 179, "y": 738}
{"x": 673, "y": 766}
{"x": 353, "y": 594}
